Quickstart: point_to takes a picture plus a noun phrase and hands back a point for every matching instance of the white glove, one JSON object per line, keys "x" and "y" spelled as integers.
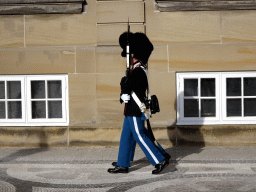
{"x": 125, "y": 97}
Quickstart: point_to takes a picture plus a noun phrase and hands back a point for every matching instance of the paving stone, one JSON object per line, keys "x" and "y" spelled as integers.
{"x": 85, "y": 169}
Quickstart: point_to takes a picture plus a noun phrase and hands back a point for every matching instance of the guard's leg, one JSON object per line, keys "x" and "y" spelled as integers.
{"x": 149, "y": 135}
{"x": 160, "y": 148}
{"x": 126, "y": 141}
{"x": 133, "y": 146}
{"x": 150, "y": 150}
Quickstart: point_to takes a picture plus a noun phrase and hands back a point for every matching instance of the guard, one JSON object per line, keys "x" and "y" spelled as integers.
{"x": 134, "y": 131}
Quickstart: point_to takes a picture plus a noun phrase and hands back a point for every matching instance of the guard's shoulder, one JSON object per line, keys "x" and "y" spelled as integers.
{"x": 138, "y": 72}
{"x": 138, "y": 69}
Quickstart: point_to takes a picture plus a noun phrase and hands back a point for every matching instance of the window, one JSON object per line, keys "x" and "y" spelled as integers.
{"x": 34, "y": 100}
{"x": 216, "y": 98}
{"x": 198, "y": 98}
{"x": 239, "y": 96}
{"x": 12, "y": 99}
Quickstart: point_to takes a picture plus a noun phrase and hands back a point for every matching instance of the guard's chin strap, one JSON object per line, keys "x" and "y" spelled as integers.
{"x": 139, "y": 64}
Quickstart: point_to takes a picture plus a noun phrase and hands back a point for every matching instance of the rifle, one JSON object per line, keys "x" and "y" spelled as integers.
{"x": 124, "y": 80}
{"x": 128, "y": 59}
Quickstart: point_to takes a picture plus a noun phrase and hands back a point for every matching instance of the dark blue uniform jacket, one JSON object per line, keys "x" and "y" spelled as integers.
{"x": 138, "y": 83}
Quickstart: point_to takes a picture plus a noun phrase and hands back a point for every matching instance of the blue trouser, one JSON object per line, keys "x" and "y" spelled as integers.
{"x": 134, "y": 129}
{"x": 133, "y": 145}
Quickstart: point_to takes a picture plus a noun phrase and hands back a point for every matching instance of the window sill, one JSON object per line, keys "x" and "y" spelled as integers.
{"x": 188, "y": 5}
{"x": 32, "y": 7}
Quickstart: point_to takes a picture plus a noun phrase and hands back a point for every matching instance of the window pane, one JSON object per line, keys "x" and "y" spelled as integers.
{"x": 54, "y": 89}
{"x": 208, "y": 108}
{"x": 250, "y": 86}
{"x": 233, "y": 86}
{"x": 2, "y": 110}
{"x": 208, "y": 87}
{"x": 2, "y": 90}
{"x": 14, "y": 110}
{"x": 55, "y": 109}
{"x": 37, "y": 89}
{"x": 38, "y": 109}
{"x": 13, "y": 89}
{"x": 250, "y": 107}
{"x": 191, "y": 108}
{"x": 190, "y": 87}
{"x": 234, "y": 107}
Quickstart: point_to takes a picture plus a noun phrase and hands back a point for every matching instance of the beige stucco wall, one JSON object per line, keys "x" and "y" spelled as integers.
{"x": 85, "y": 46}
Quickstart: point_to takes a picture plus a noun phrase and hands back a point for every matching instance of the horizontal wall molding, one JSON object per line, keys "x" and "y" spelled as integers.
{"x": 188, "y": 5}
{"x": 33, "y": 7}
{"x": 38, "y": 1}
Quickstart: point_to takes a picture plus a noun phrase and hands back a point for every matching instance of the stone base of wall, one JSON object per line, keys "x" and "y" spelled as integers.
{"x": 216, "y": 135}
{"x": 33, "y": 136}
{"x": 167, "y": 136}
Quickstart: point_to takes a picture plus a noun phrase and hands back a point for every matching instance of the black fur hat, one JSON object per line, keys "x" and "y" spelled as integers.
{"x": 140, "y": 45}
{"x": 123, "y": 42}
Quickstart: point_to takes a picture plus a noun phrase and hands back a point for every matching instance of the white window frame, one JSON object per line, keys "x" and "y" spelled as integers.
{"x": 244, "y": 120}
{"x": 180, "y": 98}
{"x": 26, "y": 101}
{"x": 221, "y": 98}
{"x": 22, "y": 80}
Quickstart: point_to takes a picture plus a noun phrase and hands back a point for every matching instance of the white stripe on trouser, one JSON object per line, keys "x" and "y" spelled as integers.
{"x": 142, "y": 141}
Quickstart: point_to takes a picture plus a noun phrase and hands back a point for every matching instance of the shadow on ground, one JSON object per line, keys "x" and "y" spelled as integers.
{"x": 23, "y": 153}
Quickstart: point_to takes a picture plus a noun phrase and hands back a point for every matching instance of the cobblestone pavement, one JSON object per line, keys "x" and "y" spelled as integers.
{"x": 85, "y": 169}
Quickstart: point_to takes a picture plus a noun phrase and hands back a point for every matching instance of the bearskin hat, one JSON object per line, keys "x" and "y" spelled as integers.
{"x": 140, "y": 46}
{"x": 123, "y": 42}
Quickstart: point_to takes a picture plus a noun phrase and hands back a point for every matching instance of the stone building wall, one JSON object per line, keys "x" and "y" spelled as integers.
{"x": 85, "y": 46}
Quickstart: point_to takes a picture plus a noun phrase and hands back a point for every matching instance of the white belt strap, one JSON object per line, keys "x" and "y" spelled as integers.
{"x": 141, "y": 105}
{"x": 148, "y": 92}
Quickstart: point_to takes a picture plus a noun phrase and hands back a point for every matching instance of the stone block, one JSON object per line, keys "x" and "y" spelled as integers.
{"x": 117, "y": 0}
{"x": 59, "y": 30}
{"x": 165, "y": 136}
{"x": 212, "y": 57}
{"x": 163, "y": 85}
{"x": 109, "y": 60}
{"x": 238, "y": 26}
{"x": 94, "y": 137}
{"x": 82, "y": 100}
{"x": 108, "y": 86}
{"x": 37, "y": 61}
{"x": 216, "y": 135}
{"x": 33, "y": 136}
{"x": 11, "y": 31}
{"x": 182, "y": 27}
{"x": 85, "y": 60}
{"x": 119, "y": 11}
{"x": 109, "y": 113}
{"x": 108, "y": 34}
{"x": 158, "y": 61}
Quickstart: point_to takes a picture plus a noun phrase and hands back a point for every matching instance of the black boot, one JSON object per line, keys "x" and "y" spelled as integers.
{"x": 114, "y": 163}
{"x": 167, "y": 156}
{"x": 160, "y": 166}
{"x": 118, "y": 169}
